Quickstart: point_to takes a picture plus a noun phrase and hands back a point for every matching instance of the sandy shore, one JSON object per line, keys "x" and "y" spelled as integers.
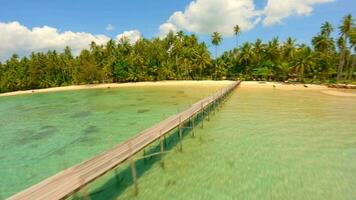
{"x": 245, "y": 84}
{"x": 282, "y": 86}
{"x": 305, "y": 87}
{"x": 117, "y": 85}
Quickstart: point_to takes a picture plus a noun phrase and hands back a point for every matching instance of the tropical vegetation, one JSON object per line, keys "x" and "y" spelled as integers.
{"x": 180, "y": 56}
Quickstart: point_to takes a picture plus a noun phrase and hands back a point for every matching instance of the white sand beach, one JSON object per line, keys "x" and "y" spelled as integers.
{"x": 244, "y": 84}
{"x": 116, "y": 85}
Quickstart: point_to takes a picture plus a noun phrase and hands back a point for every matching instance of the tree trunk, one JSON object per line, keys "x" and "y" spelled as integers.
{"x": 347, "y": 66}
{"x": 302, "y": 74}
{"x": 216, "y": 61}
{"x": 352, "y": 67}
{"x": 341, "y": 65}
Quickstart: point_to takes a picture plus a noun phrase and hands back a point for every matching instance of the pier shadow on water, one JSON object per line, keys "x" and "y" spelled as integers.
{"x": 116, "y": 182}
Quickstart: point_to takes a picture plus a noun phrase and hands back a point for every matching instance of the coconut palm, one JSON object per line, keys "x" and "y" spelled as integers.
{"x": 216, "y": 41}
{"x": 246, "y": 56}
{"x": 237, "y": 32}
{"x": 353, "y": 46}
{"x": 288, "y": 49}
{"x": 326, "y": 29}
{"x": 303, "y": 62}
{"x": 345, "y": 29}
{"x": 273, "y": 50}
{"x": 322, "y": 43}
{"x": 258, "y": 49}
{"x": 202, "y": 59}
{"x": 342, "y": 49}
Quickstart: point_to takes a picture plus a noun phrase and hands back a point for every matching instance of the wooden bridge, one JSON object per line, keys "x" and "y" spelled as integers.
{"x": 71, "y": 180}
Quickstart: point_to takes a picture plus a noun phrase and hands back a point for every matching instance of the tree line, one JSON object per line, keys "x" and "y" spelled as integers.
{"x": 179, "y": 56}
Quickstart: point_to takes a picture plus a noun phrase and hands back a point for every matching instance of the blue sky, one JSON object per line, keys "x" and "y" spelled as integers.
{"x": 93, "y": 17}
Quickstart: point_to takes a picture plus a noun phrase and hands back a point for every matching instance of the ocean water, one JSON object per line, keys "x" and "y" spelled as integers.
{"x": 261, "y": 144}
{"x": 42, "y": 134}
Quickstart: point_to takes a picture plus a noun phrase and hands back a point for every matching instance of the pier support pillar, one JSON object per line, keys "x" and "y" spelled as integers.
{"x": 208, "y": 110}
{"x": 84, "y": 193}
{"x": 144, "y": 155}
{"x": 193, "y": 126}
{"x": 202, "y": 112}
{"x": 134, "y": 176}
{"x": 180, "y": 134}
{"x": 117, "y": 175}
{"x": 162, "y": 149}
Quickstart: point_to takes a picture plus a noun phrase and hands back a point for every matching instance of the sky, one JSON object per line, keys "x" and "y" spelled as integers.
{"x": 40, "y": 25}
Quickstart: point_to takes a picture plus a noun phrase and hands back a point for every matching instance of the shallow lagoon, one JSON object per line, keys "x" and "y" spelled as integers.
{"x": 262, "y": 144}
{"x": 42, "y": 134}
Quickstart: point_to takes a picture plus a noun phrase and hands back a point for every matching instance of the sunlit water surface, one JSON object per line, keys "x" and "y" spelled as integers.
{"x": 262, "y": 144}
{"x": 41, "y": 134}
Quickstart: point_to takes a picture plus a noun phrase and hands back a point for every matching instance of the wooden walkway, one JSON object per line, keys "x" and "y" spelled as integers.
{"x": 70, "y": 180}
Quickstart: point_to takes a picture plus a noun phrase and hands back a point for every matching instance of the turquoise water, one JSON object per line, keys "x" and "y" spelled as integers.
{"x": 262, "y": 144}
{"x": 42, "y": 134}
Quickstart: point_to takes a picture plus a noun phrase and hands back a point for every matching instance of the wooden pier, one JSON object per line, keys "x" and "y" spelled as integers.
{"x": 73, "y": 179}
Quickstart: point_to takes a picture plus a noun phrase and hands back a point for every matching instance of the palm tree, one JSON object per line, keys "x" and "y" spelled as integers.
{"x": 353, "y": 46}
{"x": 342, "y": 49}
{"x": 246, "y": 56}
{"x": 202, "y": 58}
{"x": 345, "y": 29}
{"x": 324, "y": 48}
{"x": 289, "y": 49}
{"x": 216, "y": 40}
{"x": 237, "y": 32}
{"x": 273, "y": 50}
{"x": 258, "y": 49}
{"x": 326, "y": 29}
{"x": 303, "y": 62}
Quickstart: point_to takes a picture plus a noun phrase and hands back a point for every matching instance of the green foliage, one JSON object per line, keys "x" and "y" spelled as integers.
{"x": 179, "y": 56}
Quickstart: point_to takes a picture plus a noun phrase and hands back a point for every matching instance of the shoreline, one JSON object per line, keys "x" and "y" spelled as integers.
{"x": 299, "y": 86}
{"x": 113, "y": 85}
{"x": 245, "y": 84}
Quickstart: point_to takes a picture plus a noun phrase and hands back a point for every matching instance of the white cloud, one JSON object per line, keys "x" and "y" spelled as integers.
{"x": 133, "y": 36}
{"x": 207, "y": 16}
{"x": 110, "y": 27}
{"x": 276, "y": 10}
{"x": 17, "y": 38}
{"x": 165, "y": 28}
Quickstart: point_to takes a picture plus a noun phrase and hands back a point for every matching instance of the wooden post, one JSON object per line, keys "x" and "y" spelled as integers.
{"x": 117, "y": 177}
{"x": 144, "y": 155}
{"x": 133, "y": 169}
{"x": 180, "y": 134}
{"x": 209, "y": 109}
{"x": 84, "y": 193}
{"x": 202, "y": 111}
{"x": 165, "y": 141}
{"x": 214, "y": 104}
{"x": 134, "y": 175}
{"x": 162, "y": 149}
{"x": 193, "y": 131}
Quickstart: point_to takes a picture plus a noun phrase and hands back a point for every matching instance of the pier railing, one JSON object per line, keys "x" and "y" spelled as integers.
{"x": 70, "y": 180}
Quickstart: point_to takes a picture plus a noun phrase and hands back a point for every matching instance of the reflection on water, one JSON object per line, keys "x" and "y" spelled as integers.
{"x": 42, "y": 134}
